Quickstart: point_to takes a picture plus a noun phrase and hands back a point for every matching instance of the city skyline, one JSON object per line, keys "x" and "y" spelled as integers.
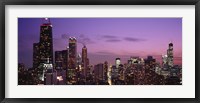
{"x": 119, "y": 37}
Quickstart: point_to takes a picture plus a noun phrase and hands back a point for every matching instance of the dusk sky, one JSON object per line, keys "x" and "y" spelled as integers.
{"x": 105, "y": 38}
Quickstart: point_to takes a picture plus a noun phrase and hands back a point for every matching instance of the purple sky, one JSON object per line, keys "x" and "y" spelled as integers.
{"x": 106, "y": 38}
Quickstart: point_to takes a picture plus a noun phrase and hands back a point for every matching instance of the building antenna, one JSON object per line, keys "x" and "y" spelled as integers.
{"x": 46, "y": 21}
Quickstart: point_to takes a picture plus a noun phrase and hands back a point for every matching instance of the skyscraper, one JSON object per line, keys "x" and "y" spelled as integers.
{"x": 150, "y": 62}
{"x": 114, "y": 72}
{"x": 46, "y": 42}
{"x": 164, "y": 62}
{"x": 79, "y": 63}
{"x": 72, "y": 57}
{"x": 134, "y": 59}
{"x": 48, "y": 73}
{"x": 61, "y": 58}
{"x": 98, "y": 72}
{"x": 105, "y": 71}
{"x": 44, "y": 49}
{"x": 65, "y": 59}
{"x": 117, "y": 62}
{"x": 170, "y": 55}
{"x": 84, "y": 59}
{"x": 58, "y": 60}
{"x": 61, "y": 62}
{"x": 164, "y": 59}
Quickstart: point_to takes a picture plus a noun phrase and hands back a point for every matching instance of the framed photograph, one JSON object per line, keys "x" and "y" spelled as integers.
{"x": 100, "y": 51}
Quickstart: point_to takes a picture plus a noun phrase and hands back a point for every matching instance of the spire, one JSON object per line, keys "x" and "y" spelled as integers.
{"x": 46, "y": 21}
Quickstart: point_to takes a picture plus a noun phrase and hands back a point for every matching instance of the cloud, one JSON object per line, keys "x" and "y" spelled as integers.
{"x": 84, "y": 40}
{"x": 131, "y": 39}
{"x": 109, "y": 37}
{"x": 113, "y": 40}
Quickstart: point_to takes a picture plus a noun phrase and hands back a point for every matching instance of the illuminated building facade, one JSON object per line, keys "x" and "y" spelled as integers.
{"x": 175, "y": 70}
{"x": 44, "y": 49}
{"x": 164, "y": 59}
{"x": 36, "y": 55}
{"x": 88, "y": 69}
{"x": 129, "y": 63}
{"x": 61, "y": 59}
{"x": 60, "y": 77}
{"x": 98, "y": 72}
{"x": 46, "y": 42}
{"x": 72, "y": 57}
{"x": 48, "y": 73}
{"x": 117, "y": 62}
{"x": 61, "y": 62}
{"x": 150, "y": 63}
{"x": 105, "y": 71}
{"x": 21, "y": 67}
{"x": 115, "y": 68}
{"x": 121, "y": 72}
{"x": 114, "y": 72}
{"x": 48, "y": 77}
{"x": 65, "y": 59}
{"x": 84, "y": 59}
{"x": 135, "y": 60}
{"x": 165, "y": 62}
{"x": 170, "y": 55}
{"x": 58, "y": 60}
{"x": 79, "y": 62}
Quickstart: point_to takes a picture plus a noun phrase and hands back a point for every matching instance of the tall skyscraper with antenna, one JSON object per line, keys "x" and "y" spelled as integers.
{"x": 43, "y": 51}
{"x": 46, "y": 42}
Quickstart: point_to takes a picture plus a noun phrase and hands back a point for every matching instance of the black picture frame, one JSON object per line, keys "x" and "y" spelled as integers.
{"x": 3, "y": 3}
